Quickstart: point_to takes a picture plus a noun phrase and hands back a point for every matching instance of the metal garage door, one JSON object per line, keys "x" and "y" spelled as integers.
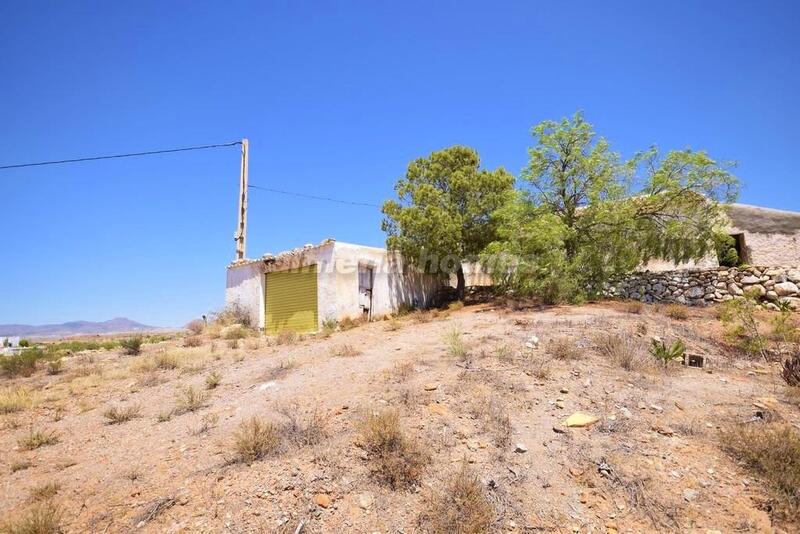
{"x": 291, "y": 300}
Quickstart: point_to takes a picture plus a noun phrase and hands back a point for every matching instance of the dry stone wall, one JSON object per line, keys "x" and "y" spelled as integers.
{"x": 700, "y": 287}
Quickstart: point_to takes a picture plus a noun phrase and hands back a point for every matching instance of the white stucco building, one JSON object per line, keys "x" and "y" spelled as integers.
{"x": 299, "y": 289}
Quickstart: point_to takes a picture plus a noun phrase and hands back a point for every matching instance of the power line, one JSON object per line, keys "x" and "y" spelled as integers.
{"x": 328, "y": 199}
{"x": 114, "y": 156}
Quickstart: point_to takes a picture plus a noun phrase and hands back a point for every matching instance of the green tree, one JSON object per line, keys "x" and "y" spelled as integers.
{"x": 442, "y": 216}
{"x": 600, "y": 216}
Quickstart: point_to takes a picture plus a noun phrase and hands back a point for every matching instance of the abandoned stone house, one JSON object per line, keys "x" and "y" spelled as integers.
{"x": 300, "y": 289}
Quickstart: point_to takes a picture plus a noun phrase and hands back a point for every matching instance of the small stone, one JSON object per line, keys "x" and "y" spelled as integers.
{"x": 365, "y": 500}
{"x": 560, "y": 404}
{"x": 520, "y": 447}
{"x": 564, "y": 390}
{"x": 322, "y": 500}
{"x": 626, "y": 412}
{"x": 690, "y": 494}
{"x": 431, "y": 386}
{"x": 559, "y": 430}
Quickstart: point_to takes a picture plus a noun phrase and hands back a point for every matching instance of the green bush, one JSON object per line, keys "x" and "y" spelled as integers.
{"x": 665, "y": 354}
{"x": 22, "y": 364}
{"x": 132, "y": 345}
{"x": 24, "y": 343}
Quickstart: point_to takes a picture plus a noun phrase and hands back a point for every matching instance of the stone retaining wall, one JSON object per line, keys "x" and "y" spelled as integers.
{"x": 699, "y": 287}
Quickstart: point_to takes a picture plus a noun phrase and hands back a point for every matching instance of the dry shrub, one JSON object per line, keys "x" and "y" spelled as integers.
{"x": 192, "y": 341}
{"x": 537, "y": 367}
{"x": 563, "y": 348}
{"x": 20, "y": 465}
{"x": 305, "y": 432}
{"x": 625, "y": 351}
{"x": 494, "y": 418}
{"x": 196, "y": 327}
{"x": 132, "y": 345}
{"x": 455, "y": 305}
{"x": 676, "y": 311}
{"x": 402, "y": 371}
{"x": 791, "y": 371}
{"x": 190, "y": 399}
{"x": 255, "y": 439}
{"x": 461, "y": 506}
{"x": 117, "y": 414}
{"x": 55, "y": 366}
{"x": 42, "y": 518}
{"x": 392, "y": 325}
{"x": 37, "y": 438}
{"x": 772, "y": 452}
{"x": 504, "y": 353}
{"x": 397, "y": 461}
{"x": 48, "y": 490}
{"x": 213, "y": 380}
{"x": 286, "y": 337}
{"x": 345, "y": 351}
{"x": 424, "y": 316}
{"x": 280, "y": 370}
{"x": 236, "y": 332}
{"x": 232, "y": 314}
{"x": 348, "y": 323}
{"x": 634, "y": 306}
{"x": 15, "y": 399}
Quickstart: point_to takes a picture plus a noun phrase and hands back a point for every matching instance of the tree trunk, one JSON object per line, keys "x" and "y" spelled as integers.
{"x": 461, "y": 282}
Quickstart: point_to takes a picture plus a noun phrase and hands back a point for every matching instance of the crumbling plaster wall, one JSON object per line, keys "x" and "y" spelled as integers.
{"x": 244, "y": 288}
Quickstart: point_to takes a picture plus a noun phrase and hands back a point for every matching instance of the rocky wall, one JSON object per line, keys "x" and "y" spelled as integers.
{"x": 700, "y": 287}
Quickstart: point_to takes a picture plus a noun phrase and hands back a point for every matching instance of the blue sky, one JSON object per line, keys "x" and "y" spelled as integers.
{"x": 336, "y": 98}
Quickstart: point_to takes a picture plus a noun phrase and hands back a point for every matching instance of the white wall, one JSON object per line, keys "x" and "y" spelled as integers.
{"x": 244, "y": 287}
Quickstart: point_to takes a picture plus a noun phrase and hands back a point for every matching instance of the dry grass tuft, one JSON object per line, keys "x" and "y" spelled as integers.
{"x": 349, "y": 323}
{"x": 192, "y": 341}
{"x": 676, "y": 311}
{"x": 196, "y": 327}
{"x": 537, "y": 367}
{"x": 345, "y": 351}
{"x": 455, "y": 344}
{"x": 117, "y": 414}
{"x": 20, "y": 465}
{"x": 772, "y": 452}
{"x": 255, "y": 439}
{"x": 305, "y": 432}
{"x": 213, "y": 380}
{"x": 286, "y": 337}
{"x": 42, "y": 518}
{"x": 625, "y": 351}
{"x": 280, "y": 370}
{"x": 393, "y": 325}
{"x": 15, "y": 399}
{"x": 397, "y": 461}
{"x": 494, "y": 418}
{"x": 190, "y": 399}
{"x": 37, "y": 438}
{"x": 401, "y": 371}
{"x": 634, "y": 306}
{"x": 563, "y": 348}
{"x": 461, "y": 506}
{"x": 45, "y": 491}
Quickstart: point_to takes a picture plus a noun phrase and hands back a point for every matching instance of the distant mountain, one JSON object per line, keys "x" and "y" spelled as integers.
{"x": 75, "y": 328}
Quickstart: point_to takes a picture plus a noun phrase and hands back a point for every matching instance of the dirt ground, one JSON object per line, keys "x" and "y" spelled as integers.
{"x": 652, "y": 462}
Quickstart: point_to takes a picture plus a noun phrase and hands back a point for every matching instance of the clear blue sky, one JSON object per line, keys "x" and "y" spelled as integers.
{"x": 336, "y": 98}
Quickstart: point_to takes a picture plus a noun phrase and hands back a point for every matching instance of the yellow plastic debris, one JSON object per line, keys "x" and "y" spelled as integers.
{"x": 580, "y": 419}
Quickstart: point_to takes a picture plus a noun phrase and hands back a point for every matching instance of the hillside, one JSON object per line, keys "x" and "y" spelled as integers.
{"x": 118, "y": 325}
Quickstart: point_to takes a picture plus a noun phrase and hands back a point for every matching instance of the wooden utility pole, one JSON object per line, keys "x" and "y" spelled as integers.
{"x": 241, "y": 232}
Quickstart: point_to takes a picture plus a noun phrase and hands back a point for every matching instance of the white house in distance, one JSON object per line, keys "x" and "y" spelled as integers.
{"x": 299, "y": 289}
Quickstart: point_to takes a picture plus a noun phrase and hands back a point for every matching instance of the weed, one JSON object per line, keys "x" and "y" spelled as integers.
{"x": 461, "y": 506}
{"x": 132, "y": 345}
{"x": 163, "y": 417}
{"x": 165, "y": 361}
{"x": 286, "y": 337}
{"x": 393, "y": 325}
{"x": 41, "y": 518}
{"x": 345, "y": 351}
{"x": 784, "y": 329}
{"x": 504, "y": 353}
{"x": 37, "y": 438}
{"x": 401, "y": 371}
{"x": 772, "y": 452}
{"x": 192, "y": 341}
{"x": 677, "y": 312}
{"x": 329, "y": 326}
{"x": 537, "y": 367}
{"x": 45, "y": 491}
{"x": 20, "y": 465}
{"x": 623, "y": 350}
{"x": 235, "y": 332}
{"x": 664, "y": 354}
{"x": 741, "y": 326}
{"x": 255, "y": 439}
{"x": 348, "y": 323}
{"x": 15, "y": 399}
{"x": 634, "y": 306}
{"x": 233, "y": 314}
{"x": 455, "y": 305}
{"x": 190, "y": 399}
{"x": 455, "y": 344}
{"x": 208, "y": 422}
{"x": 563, "y": 348}
{"x": 280, "y": 370}
{"x": 233, "y": 343}
{"x": 304, "y": 432}
{"x": 55, "y": 367}
{"x": 213, "y": 380}
{"x": 494, "y": 419}
{"x": 397, "y": 461}
{"x": 154, "y": 509}
{"x": 117, "y": 414}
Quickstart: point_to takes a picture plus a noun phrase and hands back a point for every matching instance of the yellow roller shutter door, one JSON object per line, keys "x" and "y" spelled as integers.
{"x": 291, "y": 300}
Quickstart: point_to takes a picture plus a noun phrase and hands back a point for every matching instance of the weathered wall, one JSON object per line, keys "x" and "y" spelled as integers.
{"x": 705, "y": 286}
{"x": 337, "y": 281}
{"x": 244, "y": 287}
